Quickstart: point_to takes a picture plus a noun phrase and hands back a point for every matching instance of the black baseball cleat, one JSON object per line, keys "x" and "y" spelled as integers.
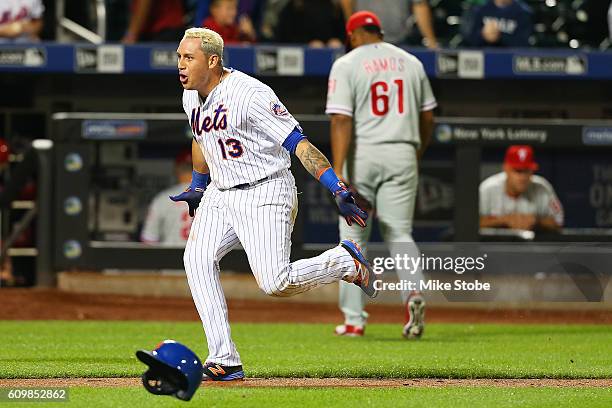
{"x": 365, "y": 274}
{"x": 218, "y": 372}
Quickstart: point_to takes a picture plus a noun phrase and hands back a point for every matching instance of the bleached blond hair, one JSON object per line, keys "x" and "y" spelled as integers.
{"x": 211, "y": 41}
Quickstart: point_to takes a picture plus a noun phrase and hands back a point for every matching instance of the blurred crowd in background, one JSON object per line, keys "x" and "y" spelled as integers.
{"x": 320, "y": 23}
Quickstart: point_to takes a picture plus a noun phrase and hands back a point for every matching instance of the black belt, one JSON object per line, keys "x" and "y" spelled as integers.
{"x": 251, "y": 184}
{"x": 254, "y": 183}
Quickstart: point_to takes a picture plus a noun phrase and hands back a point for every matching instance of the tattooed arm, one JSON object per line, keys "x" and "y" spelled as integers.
{"x": 312, "y": 159}
{"x": 317, "y": 164}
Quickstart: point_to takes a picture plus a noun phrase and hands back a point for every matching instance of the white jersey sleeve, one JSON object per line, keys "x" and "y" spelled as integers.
{"x": 547, "y": 202}
{"x": 428, "y": 100}
{"x": 340, "y": 98}
{"x": 270, "y": 116}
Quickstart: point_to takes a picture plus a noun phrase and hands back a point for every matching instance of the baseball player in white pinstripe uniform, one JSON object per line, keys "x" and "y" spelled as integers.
{"x": 242, "y": 140}
{"x": 384, "y": 91}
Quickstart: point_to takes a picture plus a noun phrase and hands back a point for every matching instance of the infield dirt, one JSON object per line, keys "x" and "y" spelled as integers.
{"x": 318, "y": 382}
{"x": 51, "y": 304}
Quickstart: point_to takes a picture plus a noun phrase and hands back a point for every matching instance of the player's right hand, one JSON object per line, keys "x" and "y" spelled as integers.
{"x": 192, "y": 197}
{"x": 349, "y": 208}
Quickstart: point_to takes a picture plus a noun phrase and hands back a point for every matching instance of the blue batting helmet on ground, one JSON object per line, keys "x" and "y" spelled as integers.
{"x": 173, "y": 370}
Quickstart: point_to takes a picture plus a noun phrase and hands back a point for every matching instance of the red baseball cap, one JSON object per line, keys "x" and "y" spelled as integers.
{"x": 520, "y": 157}
{"x": 360, "y": 19}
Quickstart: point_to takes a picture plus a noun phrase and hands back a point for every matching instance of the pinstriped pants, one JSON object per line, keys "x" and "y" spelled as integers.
{"x": 261, "y": 218}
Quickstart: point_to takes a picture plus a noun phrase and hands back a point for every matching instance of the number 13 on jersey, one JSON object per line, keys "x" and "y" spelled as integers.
{"x": 231, "y": 147}
{"x": 380, "y": 93}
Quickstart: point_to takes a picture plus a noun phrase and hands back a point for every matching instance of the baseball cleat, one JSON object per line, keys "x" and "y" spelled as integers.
{"x": 218, "y": 372}
{"x": 415, "y": 310}
{"x": 365, "y": 274}
{"x": 348, "y": 330}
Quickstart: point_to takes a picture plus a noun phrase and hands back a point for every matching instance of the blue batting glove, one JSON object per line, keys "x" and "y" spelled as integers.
{"x": 349, "y": 209}
{"x": 193, "y": 194}
{"x": 344, "y": 198}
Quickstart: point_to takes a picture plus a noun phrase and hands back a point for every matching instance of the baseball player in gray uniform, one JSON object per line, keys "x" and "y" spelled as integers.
{"x": 242, "y": 140}
{"x": 167, "y": 222}
{"x": 518, "y": 199}
{"x": 382, "y": 93}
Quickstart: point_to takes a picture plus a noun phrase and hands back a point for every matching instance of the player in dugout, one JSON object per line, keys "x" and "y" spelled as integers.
{"x": 518, "y": 199}
{"x": 167, "y": 222}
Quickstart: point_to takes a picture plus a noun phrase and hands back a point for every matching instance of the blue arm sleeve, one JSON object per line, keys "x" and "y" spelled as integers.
{"x": 330, "y": 180}
{"x": 199, "y": 181}
{"x": 291, "y": 142}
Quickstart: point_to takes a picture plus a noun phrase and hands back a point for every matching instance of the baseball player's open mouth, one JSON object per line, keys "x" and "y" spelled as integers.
{"x": 183, "y": 78}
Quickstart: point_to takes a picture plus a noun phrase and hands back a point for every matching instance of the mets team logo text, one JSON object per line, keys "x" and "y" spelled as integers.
{"x": 217, "y": 122}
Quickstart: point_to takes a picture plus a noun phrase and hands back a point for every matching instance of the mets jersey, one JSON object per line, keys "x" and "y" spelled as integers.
{"x": 384, "y": 89}
{"x": 539, "y": 199}
{"x": 240, "y": 128}
{"x": 167, "y": 222}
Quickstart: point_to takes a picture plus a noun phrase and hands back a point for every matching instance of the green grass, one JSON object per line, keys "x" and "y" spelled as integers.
{"x": 95, "y": 349}
{"x": 452, "y": 397}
